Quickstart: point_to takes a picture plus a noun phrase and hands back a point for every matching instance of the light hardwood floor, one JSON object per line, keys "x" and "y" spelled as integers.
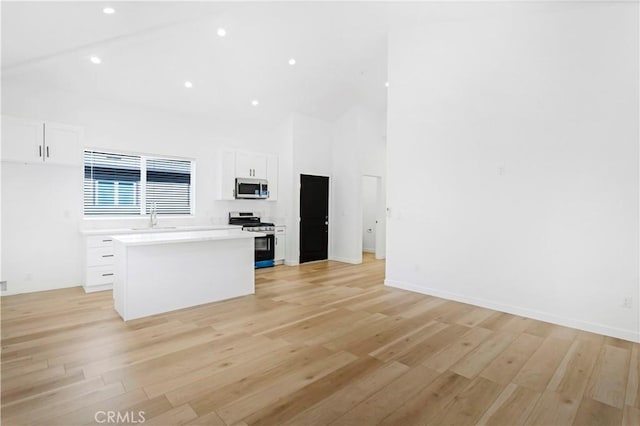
{"x": 323, "y": 343}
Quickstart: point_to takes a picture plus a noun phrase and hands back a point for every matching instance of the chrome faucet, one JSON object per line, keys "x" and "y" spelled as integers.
{"x": 153, "y": 216}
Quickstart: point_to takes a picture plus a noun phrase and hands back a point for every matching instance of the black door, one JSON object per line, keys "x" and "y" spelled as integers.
{"x": 314, "y": 217}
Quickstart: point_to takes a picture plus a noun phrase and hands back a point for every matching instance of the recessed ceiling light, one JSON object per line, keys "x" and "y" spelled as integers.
{"x": 386, "y": 84}
{"x": 109, "y": 11}
{"x": 292, "y": 61}
{"x": 255, "y": 102}
{"x": 188, "y": 84}
{"x": 222, "y": 32}
{"x": 95, "y": 60}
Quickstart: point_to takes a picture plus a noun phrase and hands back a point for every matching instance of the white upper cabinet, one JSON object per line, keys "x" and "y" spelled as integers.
{"x": 62, "y": 144}
{"x": 37, "y": 142}
{"x": 242, "y": 164}
{"x": 227, "y": 175}
{"x": 22, "y": 140}
{"x": 272, "y": 176}
{"x": 251, "y": 165}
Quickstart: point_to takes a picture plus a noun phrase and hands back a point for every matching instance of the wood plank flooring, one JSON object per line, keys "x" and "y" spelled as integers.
{"x": 323, "y": 343}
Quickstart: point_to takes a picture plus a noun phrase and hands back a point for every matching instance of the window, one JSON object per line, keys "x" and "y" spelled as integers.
{"x": 169, "y": 186}
{"x": 129, "y": 185}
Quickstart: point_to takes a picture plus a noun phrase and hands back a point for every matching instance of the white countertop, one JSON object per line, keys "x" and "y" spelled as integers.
{"x": 158, "y": 229}
{"x": 150, "y": 238}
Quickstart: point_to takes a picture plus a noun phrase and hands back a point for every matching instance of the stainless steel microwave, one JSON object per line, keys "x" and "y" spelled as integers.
{"x": 252, "y": 188}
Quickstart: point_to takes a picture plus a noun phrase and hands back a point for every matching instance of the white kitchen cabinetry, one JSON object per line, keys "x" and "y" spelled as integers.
{"x": 251, "y": 165}
{"x": 37, "y": 142}
{"x": 281, "y": 245}
{"x": 243, "y": 164}
{"x": 99, "y": 263}
{"x": 21, "y": 140}
{"x": 62, "y": 144}
{"x": 227, "y": 175}
{"x": 100, "y": 258}
{"x": 272, "y": 177}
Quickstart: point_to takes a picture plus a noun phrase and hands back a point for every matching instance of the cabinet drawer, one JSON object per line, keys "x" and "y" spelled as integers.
{"x": 100, "y": 256}
{"x": 280, "y": 229}
{"x": 100, "y": 241}
{"x": 99, "y": 275}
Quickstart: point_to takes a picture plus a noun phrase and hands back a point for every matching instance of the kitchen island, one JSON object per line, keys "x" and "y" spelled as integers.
{"x": 162, "y": 272}
{"x": 99, "y": 268}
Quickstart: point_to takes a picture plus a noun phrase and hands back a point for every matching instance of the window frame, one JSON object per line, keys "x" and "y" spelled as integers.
{"x": 143, "y": 187}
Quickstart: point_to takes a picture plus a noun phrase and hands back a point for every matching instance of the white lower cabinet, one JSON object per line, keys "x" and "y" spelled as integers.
{"x": 99, "y": 276}
{"x": 100, "y": 256}
{"x": 280, "y": 251}
{"x": 99, "y": 264}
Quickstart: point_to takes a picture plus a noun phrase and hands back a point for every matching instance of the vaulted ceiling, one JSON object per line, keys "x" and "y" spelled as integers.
{"x": 149, "y": 49}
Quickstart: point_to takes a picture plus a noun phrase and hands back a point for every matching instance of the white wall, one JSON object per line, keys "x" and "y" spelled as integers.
{"x": 342, "y": 150}
{"x": 513, "y": 143}
{"x": 373, "y": 137}
{"x": 369, "y": 213}
{"x": 42, "y": 205}
{"x": 282, "y": 212}
{"x": 312, "y": 141}
{"x": 347, "y": 192}
{"x": 359, "y": 149}
{"x": 41, "y": 244}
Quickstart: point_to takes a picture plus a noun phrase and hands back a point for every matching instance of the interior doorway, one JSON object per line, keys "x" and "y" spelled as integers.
{"x": 373, "y": 216}
{"x": 314, "y": 218}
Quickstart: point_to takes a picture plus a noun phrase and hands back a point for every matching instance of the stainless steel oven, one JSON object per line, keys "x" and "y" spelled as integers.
{"x": 265, "y": 249}
{"x": 264, "y": 246}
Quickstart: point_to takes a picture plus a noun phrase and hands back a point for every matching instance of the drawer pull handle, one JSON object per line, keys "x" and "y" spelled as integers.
{"x": 107, "y": 275}
{"x": 107, "y": 255}
{"x": 106, "y": 241}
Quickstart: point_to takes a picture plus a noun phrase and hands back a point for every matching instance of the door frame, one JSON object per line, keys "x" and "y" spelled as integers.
{"x": 329, "y": 211}
{"x": 381, "y": 226}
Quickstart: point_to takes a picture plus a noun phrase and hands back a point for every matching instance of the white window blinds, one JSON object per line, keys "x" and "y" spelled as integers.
{"x": 111, "y": 184}
{"x": 122, "y": 184}
{"x": 169, "y": 186}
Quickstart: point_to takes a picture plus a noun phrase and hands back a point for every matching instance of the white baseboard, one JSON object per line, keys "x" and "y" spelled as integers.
{"x": 13, "y": 290}
{"x": 94, "y": 288}
{"x": 620, "y": 333}
{"x": 368, "y": 250}
{"x": 311, "y": 262}
{"x": 291, "y": 262}
{"x": 346, "y": 260}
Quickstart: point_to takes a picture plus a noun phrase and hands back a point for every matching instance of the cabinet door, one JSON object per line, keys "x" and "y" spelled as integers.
{"x": 272, "y": 177}
{"x": 259, "y": 165}
{"x": 251, "y": 165}
{"x": 227, "y": 175}
{"x": 22, "y": 140}
{"x": 281, "y": 241}
{"x": 62, "y": 144}
{"x": 280, "y": 248}
{"x": 244, "y": 164}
